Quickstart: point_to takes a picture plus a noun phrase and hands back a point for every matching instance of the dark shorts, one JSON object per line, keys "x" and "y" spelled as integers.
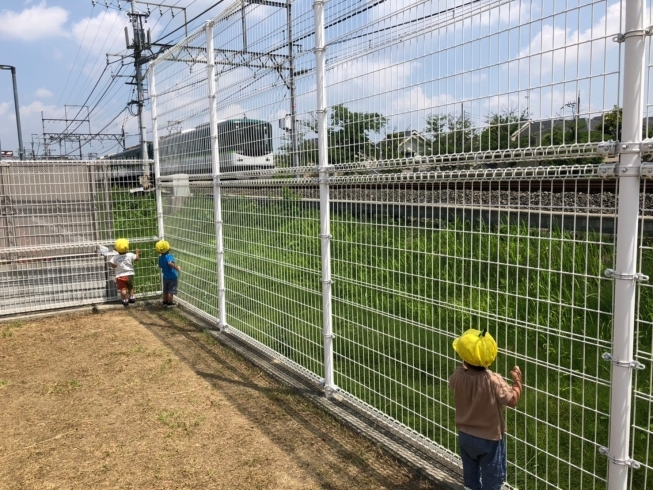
{"x": 170, "y": 286}
{"x": 125, "y": 282}
{"x": 482, "y": 460}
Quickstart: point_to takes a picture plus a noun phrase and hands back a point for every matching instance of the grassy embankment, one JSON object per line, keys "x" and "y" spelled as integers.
{"x": 403, "y": 289}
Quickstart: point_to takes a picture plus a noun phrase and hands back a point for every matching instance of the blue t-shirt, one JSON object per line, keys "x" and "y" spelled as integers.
{"x": 168, "y": 272}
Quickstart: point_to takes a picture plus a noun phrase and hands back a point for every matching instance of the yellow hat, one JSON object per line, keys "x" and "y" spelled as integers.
{"x": 121, "y": 245}
{"x": 162, "y": 246}
{"x": 476, "y": 347}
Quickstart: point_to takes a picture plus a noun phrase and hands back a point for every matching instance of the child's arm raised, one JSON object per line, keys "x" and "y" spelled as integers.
{"x": 516, "y": 386}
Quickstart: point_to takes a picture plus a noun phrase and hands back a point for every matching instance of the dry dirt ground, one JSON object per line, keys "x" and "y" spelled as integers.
{"x": 141, "y": 399}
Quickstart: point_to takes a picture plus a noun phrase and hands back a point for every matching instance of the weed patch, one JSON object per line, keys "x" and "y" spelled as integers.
{"x": 61, "y": 387}
{"x": 180, "y": 420}
{"x": 9, "y": 329}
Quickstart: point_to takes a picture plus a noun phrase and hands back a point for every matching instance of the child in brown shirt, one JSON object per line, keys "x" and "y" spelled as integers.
{"x": 479, "y": 398}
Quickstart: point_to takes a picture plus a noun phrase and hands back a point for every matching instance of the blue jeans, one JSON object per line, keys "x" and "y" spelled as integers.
{"x": 484, "y": 462}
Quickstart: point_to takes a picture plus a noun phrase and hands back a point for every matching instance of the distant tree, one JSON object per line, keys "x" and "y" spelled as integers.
{"x": 501, "y": 129}
{"x": 307, "y": 153}
{"x": 610, "y": 125}
{"x": 450, "y": 134}
{"x": 348, "y": 134}
{"x": 571, "y": 131}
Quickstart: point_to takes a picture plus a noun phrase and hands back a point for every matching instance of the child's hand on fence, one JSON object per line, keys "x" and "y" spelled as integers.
{"x": 516, "y": 374}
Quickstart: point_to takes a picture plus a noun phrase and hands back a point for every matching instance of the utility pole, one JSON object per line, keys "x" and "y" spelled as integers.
{"x": 21, "y": 151}
{"x": 140, "y": 43}
{"x": 291, "y": 83}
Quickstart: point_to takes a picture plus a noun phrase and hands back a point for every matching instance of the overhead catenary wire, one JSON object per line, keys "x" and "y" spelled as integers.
{"x": 88, "y": 54}
{"x": 100, "y": 98}
{"x": 189, "y": 22}
{"x": 334, "y": 23}
{"x": 99, "y": 77}
{"x": 100, "y": 131}
{"x": 104, "y": 47}
{"x": 76, "y": 56}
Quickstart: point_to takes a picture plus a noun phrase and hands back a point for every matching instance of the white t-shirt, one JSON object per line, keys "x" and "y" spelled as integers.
{"x": 124, "y": 264}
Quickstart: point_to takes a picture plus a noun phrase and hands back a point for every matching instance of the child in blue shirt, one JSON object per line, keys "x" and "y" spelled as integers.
{"x": 170, "y": 272}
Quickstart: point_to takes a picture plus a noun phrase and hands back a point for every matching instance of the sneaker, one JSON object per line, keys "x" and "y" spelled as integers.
{"x": 171, "y": 305}
{"x": 125, "y": 303}
{"x": 164, "y": 303}
{"x": 132, "y": 300}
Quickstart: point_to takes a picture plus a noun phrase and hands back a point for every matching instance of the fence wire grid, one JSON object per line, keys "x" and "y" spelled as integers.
{"x": 352, "y": 185}
{"x": 57, "y": 219}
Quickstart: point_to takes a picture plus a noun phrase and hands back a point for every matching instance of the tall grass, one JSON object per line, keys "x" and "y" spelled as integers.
{"x": 403, "y": 289}
{"x": 134, "y": 216}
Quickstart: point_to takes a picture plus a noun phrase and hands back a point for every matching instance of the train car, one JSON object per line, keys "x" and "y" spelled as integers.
{"x": 244, "y": 144}
{"x": 124, "y": 173}
{"x": 131, "y": 153}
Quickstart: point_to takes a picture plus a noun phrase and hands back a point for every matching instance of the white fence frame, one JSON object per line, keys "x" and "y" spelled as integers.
{"x": 628, "y": 173}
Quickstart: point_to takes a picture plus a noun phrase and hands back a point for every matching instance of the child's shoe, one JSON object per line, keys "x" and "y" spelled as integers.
{"x": 132, "y": 299}
{"x": 125, "y": 303}
{"x": 171, "y": 305}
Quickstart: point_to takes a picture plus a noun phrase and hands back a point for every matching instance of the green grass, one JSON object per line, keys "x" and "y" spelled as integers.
{"x": 179, "y": 420}
{"x": 8, "y": 329}
{"x": 403, "y": 289}
{"x": 61, "y": 387}
{"x": 133, "y": 216}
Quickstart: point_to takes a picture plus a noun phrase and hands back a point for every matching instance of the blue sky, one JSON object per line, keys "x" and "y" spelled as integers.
{"x": 535, "y": 55}
{"x": 59, "y": 50}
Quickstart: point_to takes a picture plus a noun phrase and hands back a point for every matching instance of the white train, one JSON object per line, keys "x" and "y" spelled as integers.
{"x": 243, "y": 144}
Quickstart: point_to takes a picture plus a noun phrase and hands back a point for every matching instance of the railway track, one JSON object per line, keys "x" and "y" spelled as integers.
{"x": 575, "y": 205}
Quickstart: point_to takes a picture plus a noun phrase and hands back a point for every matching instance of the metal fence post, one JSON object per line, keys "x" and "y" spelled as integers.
{"x": 325, "y": 215}
{"x": 215, "y": 161}
{"x": 155, "y": 151}
{"x": 625, "y": 287}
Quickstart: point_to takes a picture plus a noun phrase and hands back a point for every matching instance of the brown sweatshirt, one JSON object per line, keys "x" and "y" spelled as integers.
{"x": 479, "y": 397}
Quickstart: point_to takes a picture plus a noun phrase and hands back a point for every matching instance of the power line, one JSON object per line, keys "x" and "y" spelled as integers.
{"x": 188, "y": 22}
{"x": 111, "y": 29}
{"x": 89, "y": 96}
{"x": 101, "y": 130}
{"x": 81, "y": 70}
{"x": 76, "y": 55}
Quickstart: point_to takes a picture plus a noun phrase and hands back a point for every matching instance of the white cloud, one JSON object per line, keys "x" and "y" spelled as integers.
{"x": 33, "y": 23}
{"x": 231, "y": 111}
{"x": 551, "y": 37}
{"x": 103, "y": 32}
{"x": 30, "y": 121}
{"x": 43, "y": 93}
{"x": 36, "y": 107}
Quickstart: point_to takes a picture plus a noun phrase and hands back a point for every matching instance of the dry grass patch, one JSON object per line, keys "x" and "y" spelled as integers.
{"x": 140, "y": 399}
